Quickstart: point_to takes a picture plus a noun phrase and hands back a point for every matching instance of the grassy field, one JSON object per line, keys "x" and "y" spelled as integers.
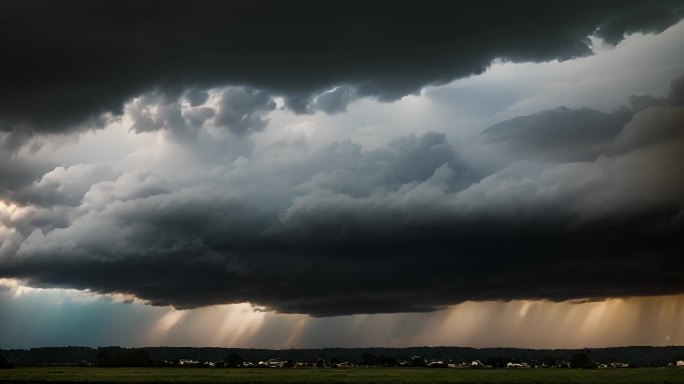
{"x": 353, "y": 375}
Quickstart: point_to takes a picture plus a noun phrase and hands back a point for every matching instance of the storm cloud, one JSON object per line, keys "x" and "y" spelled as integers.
{"x": 411, "y": 226}
{"x": 74, "y": 65}
{"x": 283, "y": 153}
{"x": 560, "y": 134}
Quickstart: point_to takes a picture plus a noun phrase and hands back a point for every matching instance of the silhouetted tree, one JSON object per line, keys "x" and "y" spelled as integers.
{"x": 121, "y": 357}
{"x": 4, "y": 364}
{"x": 549, "y": 361}
{"x": 369, "y": 359}
{"x": 388, "y": 361}
{"x": 497, "y": 362}
{"x": 580, "y": 360}
{"x": 234, "y": 360}
{"x": 418, "y": 361}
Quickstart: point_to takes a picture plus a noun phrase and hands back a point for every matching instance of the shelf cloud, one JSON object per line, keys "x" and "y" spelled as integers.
{"x": 284, "y": 154}
{"x": 407, "y": 227}
{"x": 73, "y": 66}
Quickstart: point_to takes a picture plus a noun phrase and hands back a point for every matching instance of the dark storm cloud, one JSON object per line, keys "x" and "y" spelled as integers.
{"x": 560, "y": 134}
{"x": 191, "y": 254}
{"x": 196, "y": 97}
{"x": 334, "y": 101}
{"x": 73, "y": 64}
{"x": 151, "y": 112}
{"x": 406, "y": 227}
{"x": 565, "y": 135}
{"x": 241, "y": 110}
{"x": 16, "y": 173}
{"x": 64, "y": 186}
{"x": 644, "y": 19}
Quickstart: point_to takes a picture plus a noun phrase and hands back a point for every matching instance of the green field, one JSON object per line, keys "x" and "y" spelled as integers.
{"x": 352, "y": 375}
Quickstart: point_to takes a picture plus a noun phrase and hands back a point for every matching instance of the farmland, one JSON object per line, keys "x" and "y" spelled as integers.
{"x": 352, "y": 375}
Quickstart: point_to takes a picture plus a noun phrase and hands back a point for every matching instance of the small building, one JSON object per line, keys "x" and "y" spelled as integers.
{"x": 188, "y": 362}
{"x": 275, "y": 363}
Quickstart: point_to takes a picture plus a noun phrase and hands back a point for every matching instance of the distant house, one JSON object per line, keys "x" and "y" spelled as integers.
{"x": 188, "y": 362}
{"x": 437, "y": 364}
{"x": 275, "y": 363}
{"x": 680, "y": 363}
{"x": 476, "y": 363}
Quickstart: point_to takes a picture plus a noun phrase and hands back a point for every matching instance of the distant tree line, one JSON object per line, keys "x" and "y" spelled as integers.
{"x": 581, "y": 360}
{"x": 383, "y": 357}
{"x": 369, "y": 359}
{"x": 121, "y": 357}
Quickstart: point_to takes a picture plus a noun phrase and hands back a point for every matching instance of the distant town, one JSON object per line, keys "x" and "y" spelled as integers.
{"x": 340, "y": 358}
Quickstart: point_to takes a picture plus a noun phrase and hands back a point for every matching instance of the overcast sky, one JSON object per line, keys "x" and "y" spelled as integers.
{"x": 258, "y": 174}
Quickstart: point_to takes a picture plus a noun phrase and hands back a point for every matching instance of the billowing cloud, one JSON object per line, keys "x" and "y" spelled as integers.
{"x": 307, "y": 158}
{"x": 334, "y": 100}
{"x": 16, "y": 172}
{"x": 64, "y": 186}
{"x": 57, "y": 78}
{"x": 240, "y": 110}
{"x": 236, "y": 109}
{"x": 595, "y": 211}
{"x": 560, "y": 134}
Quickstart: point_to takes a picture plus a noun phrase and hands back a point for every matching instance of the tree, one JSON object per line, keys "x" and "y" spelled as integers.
{"x": 549, "y": 361}
{"x": 418, "y": 361}
{"x": 388, "y": 361}
{"x": 580, "y": 360}
{"x": 234, "y": 360}
{"x": 369, "y": 359}
{"x": 497, "y": 362}
{"x": 4, "y": 364}
{"x": 121, "y": 357}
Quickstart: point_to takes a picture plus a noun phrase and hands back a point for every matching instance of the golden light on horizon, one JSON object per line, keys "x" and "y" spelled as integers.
{"x": 215, "y": 325}
{"x": 652, "y": 320}
{"x": 520, "y": 323}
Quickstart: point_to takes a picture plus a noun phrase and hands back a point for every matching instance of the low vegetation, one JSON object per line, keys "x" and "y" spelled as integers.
{"x": 359, "y": 375}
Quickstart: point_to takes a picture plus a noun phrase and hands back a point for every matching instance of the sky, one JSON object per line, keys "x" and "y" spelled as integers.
{"x": 341, "y": 174}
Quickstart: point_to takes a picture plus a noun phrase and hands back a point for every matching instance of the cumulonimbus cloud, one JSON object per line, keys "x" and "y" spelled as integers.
{"x": 410, "y": 226}
{"x": 583, "y": 204}
{"x": 74, "y": 65}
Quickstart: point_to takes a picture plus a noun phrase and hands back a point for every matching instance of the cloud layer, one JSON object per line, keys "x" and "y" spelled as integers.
{"x": 589, "y": 207}
{"x": 218, "y": 153}
{"x": 74, "y": 66}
